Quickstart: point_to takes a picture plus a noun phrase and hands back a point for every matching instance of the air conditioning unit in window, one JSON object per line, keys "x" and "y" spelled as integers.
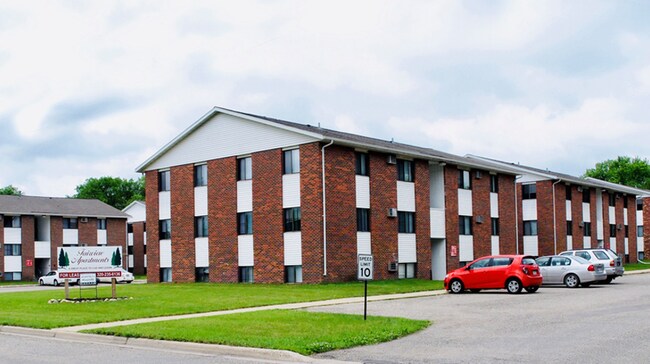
{"x": 478, "y": 174}
{"x": 392, "y": 212}
{"x": 391, "y": 159}
{"x": 479, "y": 219}
{"x": 579, "y": 189}
{"x": 84, "y": 219}
{"x": 581, "y": 224}
{"x": 619, "y": 226}
{"x": 392, "y": 267}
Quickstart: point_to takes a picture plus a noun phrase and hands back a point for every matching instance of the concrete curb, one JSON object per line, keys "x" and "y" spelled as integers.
{"x": 633, "y": 272}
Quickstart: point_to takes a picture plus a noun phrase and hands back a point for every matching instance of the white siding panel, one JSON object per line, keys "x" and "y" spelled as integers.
{"x": 129, "y": 239}
{"x": 293, "y": 248}
{"x": 612, "y": 215}
{"x": 569, "y": 243}
{"x": 586, "y": 212}
{"x": 625, "y": 217}
{"x": 291, "y": 190}
{"x": 245, "y": 250}
{"x": 164, "y": 206}
{"x": 363, "y": 192}
{"x": 464, "y": 202}
{"x": 13, "y": 235}
{"x": 465, "y": 248}
{"x": 612, "y": 244}
{"x": 201, "y": 252}
{"x": 639, "y": 217}
{"x": 627, "y": 246}
{"x": 529, "y": 209}
{"x": 245, "y": 196}
{"x": 405, "y": 196}
{"x": 145, "y": 261}
{"x": 639, "y": 244}
{"x": 70, "y": 236}
{"x": 568, "y": 210}
{"x": 406, "y": 248}
{"x": 599, "y": 229}
{"x": 166, "y": 253}
{"x": 137, "y": 212}
{"x": 364, "y": 245}
{"x": 494, "y": 204}
{"x": 130, "y": 261}
{"x": 201, "y": 201}
{"x": 101, "y": 237}
{"x": 531, "y": 245}
{"x": 495, "y": 245}
{"x": 225, "y": 136}
{"x": 13, "y": 263}
{"x": 437, "y": 219}
{"x": 42, "y": 249}
{"x": 586, "y": 241}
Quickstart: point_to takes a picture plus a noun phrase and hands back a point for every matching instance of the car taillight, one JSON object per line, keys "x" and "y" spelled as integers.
{"x": 612, "y": 263}
{"x": 591, "y": 268}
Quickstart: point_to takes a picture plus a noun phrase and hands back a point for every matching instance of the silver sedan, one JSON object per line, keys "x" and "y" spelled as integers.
{"x": 571, "y": 271}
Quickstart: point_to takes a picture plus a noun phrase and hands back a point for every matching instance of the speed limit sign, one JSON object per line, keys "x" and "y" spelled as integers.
{"x": 364, "y": 272}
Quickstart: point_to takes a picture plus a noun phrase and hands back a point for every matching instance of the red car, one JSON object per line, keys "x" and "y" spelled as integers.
{"x": 512, "y": 272}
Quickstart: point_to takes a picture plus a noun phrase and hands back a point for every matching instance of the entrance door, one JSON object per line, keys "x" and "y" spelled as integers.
{"x": 438, "y": 259}
{"x": 41, "y": 267}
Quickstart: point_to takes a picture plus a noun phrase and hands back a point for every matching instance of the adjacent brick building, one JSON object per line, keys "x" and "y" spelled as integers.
{"x": 136, "y": 238}
{"x": 241, "y": 197}
{"x": 33, "y": 227}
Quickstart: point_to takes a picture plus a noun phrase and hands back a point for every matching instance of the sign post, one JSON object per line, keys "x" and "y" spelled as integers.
{"x": 365, "y": 273}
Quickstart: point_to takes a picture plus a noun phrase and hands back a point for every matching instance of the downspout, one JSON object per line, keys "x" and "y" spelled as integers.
{"x": 322, "y": 151}
{"x": 554, "y": 223}
{"x": 516, "y": 217}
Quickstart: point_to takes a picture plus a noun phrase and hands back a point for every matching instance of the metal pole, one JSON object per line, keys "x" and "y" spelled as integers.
{"x": 365, "y": 299}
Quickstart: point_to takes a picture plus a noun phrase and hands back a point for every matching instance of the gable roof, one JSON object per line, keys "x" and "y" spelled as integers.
{"x": 57, "y": 206}
{"x": 338, "y": 137}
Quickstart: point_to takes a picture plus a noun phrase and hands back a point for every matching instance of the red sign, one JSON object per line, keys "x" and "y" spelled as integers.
{"x": 29, "y": 262}
{"x": 99, "y": 274}
{"x": 453, "y": 250}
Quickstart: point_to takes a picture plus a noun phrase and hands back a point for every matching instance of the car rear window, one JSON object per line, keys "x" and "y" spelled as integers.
{"x": 581, "y": 260}
{"x": 601, "y": 255}
{"x": 500, "y": 262}
{"x": 566, "y": 253}
{"x": 528, "y": 261}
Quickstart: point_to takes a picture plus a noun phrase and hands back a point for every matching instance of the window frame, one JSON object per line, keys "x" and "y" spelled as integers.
{"x": 164, "y": 180}
{"x": 363, "y": 220}
{"x": 612, "y": 230}
{"x": 101, "y": 224}
{"x": 530, "y": 228}
{"x": 568, "y": 192}
{"x": 291, "y": 161}
{"x": 405, "y": 222}
{"x": 165, "y": 234}
{"x": 465, "y": 225}
{"x": 200, "y": 175}
{"x": 293, "y": 274}
{"x": 13, "y": 250}
{"x": 586, "y": 228}
{"x": 10, "y": 221}
{"x": 529, "y": 191}
{"x": 405, "y": 170}
{"x": 245, "y": 223}
{"x": 70, "y": 223}
{"x": 291, "y": 219}
{"x": 569, "y": 227}
{"x": 494, "y": 225}
{"x": 201, "y": 226}
{"x": 407, "y": 270}
{"x": 246, "y": 274}
{"x": 362, "y": 164}
{"x": 494, "y": 183}
{"x": 586, "y": 195}
{"x": 244, "y": 169}
{"x": 464, "y": 180}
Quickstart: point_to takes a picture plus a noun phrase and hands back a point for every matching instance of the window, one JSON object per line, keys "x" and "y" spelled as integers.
{"x": 612, "y": 199}
{"x": 144, "y": 249}
{"x": 163, "y": 181}
{"x": 70, "y": 223}
{"x": 501, "y": 262}
{"x": 201, "y": 227}
{"x": 246, "y": 274}
{"x": 101, "y": 225}
{"x": 129, "y": 250}
{"x": 363, "y": 220}
{"x": 529, "y": 192}
{"x": 12, "y": 221}
{"x": 406, "y": 222}
{"x": 612, "y": 230}
{"x": 13, "y": 276}
{"x": 495, "y": 226}
{"x": 165, "y": 274}
{"x": 483, "y": 263}
{"x": 165, "y": 229}
{"x": 560, "y": 261}
{"x": 544, "y": 262}
{"x": 363, "y": 164}
{"x": 584, "y": 255}
{"x": 244, "y": 169}
{"x": 202, "y": 274}
{"x": 494, "y": 183}
{"x": 639, "y": 205}
{"x": 293, "y": 274}
{"x": 406, "y": 270}
{"x": 129, "y": 228}
{"x": 530, "y": 227}
{"x": 292, "y": 219}
{"x": 569, "y": 228}
{"x": 405, "y": 170}
{"x": 144, "y": 227}
{"x": 464, "y": 182}
{"x": 201, "y": 175}
{"x": 245, "y": 223}
{"x": 568, "y": 192}
{"x": 624, "y": 202}
{"x": 587, "y": 229}
{"x": 627, "y": 231}
{"x": 639, "y": 231}
{"x": 13, "y": 250}
{"x": 465, "y": 225}
{"x": 291, "y": 161}
{"x": 586, "y": 196}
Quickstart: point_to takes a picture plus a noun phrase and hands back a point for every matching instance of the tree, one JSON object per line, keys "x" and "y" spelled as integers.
{"x": 11, "y": 190}
{"x": 633, "y": 172}
{"x": 115, "y": 191}
{"x": 117, "y": 257}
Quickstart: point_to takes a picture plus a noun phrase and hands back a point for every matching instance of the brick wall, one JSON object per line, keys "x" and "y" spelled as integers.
{"x": 2, "y": 242}
{"x": 153, "y": 242}
{"x": 519, "y": 248}
{"x": 267, "y": 217}
{"x": 576, "y": 216}
{"x": 56, "y": 238}
{"x": 646, "y": 228}
{"x": 545, "y": 241}
{"x": 27, "y": 237}
{"x": 312, "y": 211}
{"x": 383, "y": 195}
{"x": 182, "y": 207}
{"x": 481, "y": 207}
{"x": 423, "y": 219}
{"x": 620, "y": 233}
{"x": 138, "y": 247}
{"x": 507, "y": 221}
{"x": 88, "y": 231}
{"x": 631, "y": 222}
{"x": 606, "y": 230}
{"x": 222, "y": 219}
{"x": 592, "y": 213}
{"x": 451, "y": 214}
{"x": 116, "y": 236}
{"x": 560, "y": 218}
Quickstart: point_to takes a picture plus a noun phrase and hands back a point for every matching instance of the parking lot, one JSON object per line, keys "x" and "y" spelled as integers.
{"x": 603, "y": 323}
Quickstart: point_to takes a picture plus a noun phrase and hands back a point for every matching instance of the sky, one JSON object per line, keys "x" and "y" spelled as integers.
{"x": 94, "y": 88}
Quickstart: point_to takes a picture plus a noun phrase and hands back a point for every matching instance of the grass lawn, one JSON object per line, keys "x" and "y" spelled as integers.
{"x": 30, "y": 309}
{"x": 299, "y": 331}
{"x": 636, "y": 266}
{"x": 15, "y": 283}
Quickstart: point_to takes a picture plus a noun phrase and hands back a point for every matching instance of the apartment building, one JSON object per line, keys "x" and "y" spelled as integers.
{"x": 238, "y": 197}
{"x": 136, "y": 238}
{"x": 558, "y": 212}
{"x": 33, "y": 228}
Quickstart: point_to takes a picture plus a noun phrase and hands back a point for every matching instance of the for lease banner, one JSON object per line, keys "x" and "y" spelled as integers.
{"x": 91, "y": 259}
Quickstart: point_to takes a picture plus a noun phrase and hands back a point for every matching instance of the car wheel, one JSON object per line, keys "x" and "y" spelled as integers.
{"x": 40, "y": 282}
{"x": 456, "y": 286}
{"x": 513, "y": 285}
{"x": 608, "y": 280}
{"x": 475, "y": 290}
{"x": 571, "y": 280}
{"x": 586, "y": 285}
{"x": 532, "y": 289}
{"x": 56, "y": 283}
